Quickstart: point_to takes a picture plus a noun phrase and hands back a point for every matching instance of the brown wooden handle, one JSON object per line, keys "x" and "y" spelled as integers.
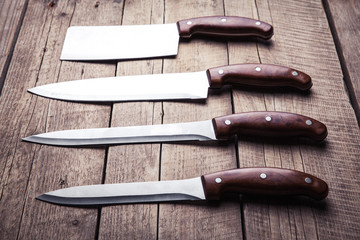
{"x": 268, "y": 181}
{"x": 224, "y": 26}
{"x": 273, "y": 124}
{"x": 263, "y": 75}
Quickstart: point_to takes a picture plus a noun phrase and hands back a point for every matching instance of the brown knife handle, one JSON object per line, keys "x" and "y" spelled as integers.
{"x": 265, "y": 181}
{"x": 273, "y": 124}
{"x": 263, "y": 75}
{"x": 224, "y": 26}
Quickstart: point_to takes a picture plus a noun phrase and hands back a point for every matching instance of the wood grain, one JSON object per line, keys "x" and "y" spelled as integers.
{"x": 11, "y": 15}
{"x": 301, "y": 43}
{"x": 140, "y": 162}
{"x": 178, "y": 161}
{"x": 344, "y": 19}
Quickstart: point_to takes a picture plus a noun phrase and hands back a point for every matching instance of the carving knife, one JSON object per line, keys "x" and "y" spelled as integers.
{"x": 192, "y": 85}
{"x": 272, "y": 124}
{"x": 154, "y": 40}
{"x": 263, "y": 181}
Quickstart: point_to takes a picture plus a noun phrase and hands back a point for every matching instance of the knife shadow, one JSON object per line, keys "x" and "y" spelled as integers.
{"x": 206, "y": 37}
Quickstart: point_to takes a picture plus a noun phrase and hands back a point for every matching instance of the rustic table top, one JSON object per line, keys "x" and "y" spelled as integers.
{"x": 320, "y": 38}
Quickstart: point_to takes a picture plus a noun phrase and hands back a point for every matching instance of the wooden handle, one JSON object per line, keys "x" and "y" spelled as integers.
{"x": 224, "y": 26}
{"x": 263, "y": 75}
{"x": 268, "y": 181}
{"x": 273, "y": 124}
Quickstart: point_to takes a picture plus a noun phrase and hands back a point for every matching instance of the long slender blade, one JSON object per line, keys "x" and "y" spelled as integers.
{"x": 192, "y": 85}
{"x": 199, "y": 131}
{"x": 137, "y": 192}
{"x": 120, "y": 42}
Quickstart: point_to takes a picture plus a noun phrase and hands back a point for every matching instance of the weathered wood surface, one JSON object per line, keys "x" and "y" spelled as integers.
{"x": 11, "y": 15}
{"x": 302, "y": 40}
{"x": 344, "y": 17}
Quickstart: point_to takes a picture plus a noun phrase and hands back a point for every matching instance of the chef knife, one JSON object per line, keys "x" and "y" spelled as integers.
{"x": 263, "y": 181}
{"x": 273, "y": 124}
{"x": 155, "y": 40}
{"x": 192, "y": 85}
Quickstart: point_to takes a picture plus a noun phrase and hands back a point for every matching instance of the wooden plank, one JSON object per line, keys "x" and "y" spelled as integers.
{"x": 179, "y": 161}
{"x": 32, "y": 169}
{"x": 11, "y": 15}
{"x": 344, "y": 20}
{"x": 304, "y": 43}
{"x": 139, "y": 162}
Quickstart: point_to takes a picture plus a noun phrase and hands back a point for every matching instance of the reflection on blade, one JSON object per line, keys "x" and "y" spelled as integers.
{"x": 120, "y": 135}
{"x": 129, "y": 88}
{"x": 107, "y": 194}
{"x": 120, "y": 42}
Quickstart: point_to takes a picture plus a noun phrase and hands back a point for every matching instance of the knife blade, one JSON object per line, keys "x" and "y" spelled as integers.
{"x": 258, "y": 181}
{"x": 193, "y": 85}
{"x": 271, "y": 124}
{"x": 154, "y": 40}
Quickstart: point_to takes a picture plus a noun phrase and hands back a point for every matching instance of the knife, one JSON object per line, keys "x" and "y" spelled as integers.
{"x": 192, "y": 85}
{"x": 155, "y": 40}
{"x": 272, "y": 124}
{"x": 258, "y": 181}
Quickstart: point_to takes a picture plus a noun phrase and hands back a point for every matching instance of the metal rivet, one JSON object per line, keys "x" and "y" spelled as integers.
{"x": 308, "y": 180}
{"x": 189, "y": 23}
{"x": 258, "y": 69}
{"x": 294, "y": 73}
{"x": 308, "y": 122}
{"x": 221, "y": 71}
{"x": 263, "y": 175}
{"x": 227, "y": 122}
{"x": 268, "y": 118}
{"x": 218, "y": 180}
{"x": 223, "y": 19}
{"x": 258, "y": 23}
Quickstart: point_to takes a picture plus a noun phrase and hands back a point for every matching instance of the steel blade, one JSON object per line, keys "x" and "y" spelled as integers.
{"x": 192, "y": 85}
{"x": 200, "y": 131}
{"x": 120, "y": 42}
{"x": 137, "y": 192}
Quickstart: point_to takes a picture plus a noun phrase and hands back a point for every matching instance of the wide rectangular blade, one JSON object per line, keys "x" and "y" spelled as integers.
{"x": 137, "y": 192}
{"x": 120, "y": 42}
{"x": 192, "y": 85}
{"x": 190, "y": 131}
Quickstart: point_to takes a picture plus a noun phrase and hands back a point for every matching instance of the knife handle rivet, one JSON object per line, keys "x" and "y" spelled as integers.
{"x": 218, "y": 180}
{"x": 221, "y": 71}
{"x": 294, "y": 73}
{"x": 227, "y": 122}
{"x": 258, "y": 23}
{"x": 258, "y": 69}
{"x": 263, "y": 176}
{"x": 308, "y": 122}
{"x": 189, "y": 22}
{"x": 223, "y": 19}
{"x": 268, "y": 118}
{"x": 308, "y": 180}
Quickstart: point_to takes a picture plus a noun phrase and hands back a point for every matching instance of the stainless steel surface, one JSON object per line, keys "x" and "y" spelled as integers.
{"x": 202, "y": 130}
{"x": 192, "y": 85}
{"x": 120, "y": 42}
{"x": 136, "y": 192}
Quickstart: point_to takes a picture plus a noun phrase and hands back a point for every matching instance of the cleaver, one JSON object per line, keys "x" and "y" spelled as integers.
{"x": 259, "y": 181}
{"x": 155, "y": 40}
{"x": 265, "y": 124}
{"x": 191, "y": 85}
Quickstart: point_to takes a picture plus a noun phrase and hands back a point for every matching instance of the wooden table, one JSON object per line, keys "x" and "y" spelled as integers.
{"x": 320, "y": 38}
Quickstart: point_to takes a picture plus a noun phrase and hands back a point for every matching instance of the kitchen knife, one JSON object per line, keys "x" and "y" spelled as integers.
{"x": 175, "y": 85}
{"x": 155, "y": 40}
{"x": 263, "y": 181}
{"x": 273, "y": 124}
